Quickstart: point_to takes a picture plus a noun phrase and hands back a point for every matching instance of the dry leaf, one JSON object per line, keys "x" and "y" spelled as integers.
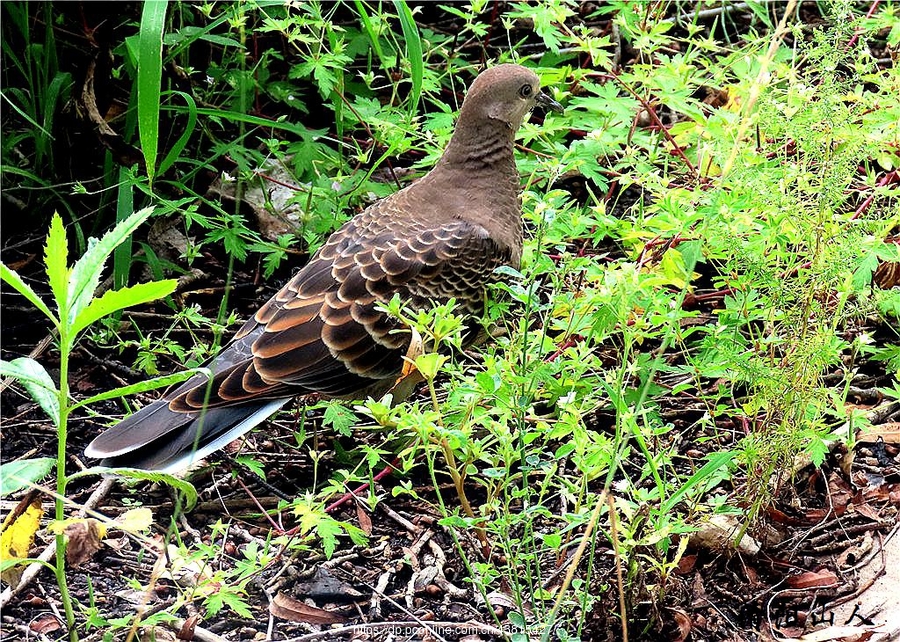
{"x": 187, "y": 629}
{"x": 833, "y": 633}
{"x": 325, "y": 586}
{"x": 365, "y": 522}
{"x": 416, "y": 349}
{"x": 410, "y": 376}
{"x": 45, "y": 624}
{"x": 813, "y": 579}
{"x": 83, "y": 540}
{"x": 868, "y": 512}
{"x": 156, "y": 634}
{"x": 287, "y": 608}
{"x": 686, "y": 564}
{"x": 889, "y": 433}
{"x": 684, "y": 624}
{"x": 846, "y": 462}
{"x": 502, "y": 600}
{"x": 719, "y": 531}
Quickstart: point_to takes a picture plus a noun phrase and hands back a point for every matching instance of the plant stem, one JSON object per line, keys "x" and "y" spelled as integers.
{"x": 573, "y": 567}
{"x": 61, "y": 479}
{"x": 458, "y": 479}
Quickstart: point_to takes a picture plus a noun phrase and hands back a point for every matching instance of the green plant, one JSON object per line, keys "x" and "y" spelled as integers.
{"x": 47, "y": 86}
{"x": 35, "y": 89}
{"x": 73, "y": 291}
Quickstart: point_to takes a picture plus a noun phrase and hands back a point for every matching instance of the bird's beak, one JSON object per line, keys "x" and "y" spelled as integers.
{"x": 546, "y": 102}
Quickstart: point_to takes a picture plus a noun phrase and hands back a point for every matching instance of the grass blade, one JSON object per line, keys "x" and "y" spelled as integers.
{"x": 374, "y": 40}
{"x": 122, "y": 256}
{"x": 149, "y": 78}
{"x": 180, "y": 144}
{"x": 707, "y": 471}
{"x": 413, "y": 53}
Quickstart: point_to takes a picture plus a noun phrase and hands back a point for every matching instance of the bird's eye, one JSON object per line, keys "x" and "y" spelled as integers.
{"x": 525, "y": 91}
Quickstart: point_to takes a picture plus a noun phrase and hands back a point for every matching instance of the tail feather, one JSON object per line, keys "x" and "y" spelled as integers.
{"x": 150, "y": 423}
{"x": 178, "y": 439}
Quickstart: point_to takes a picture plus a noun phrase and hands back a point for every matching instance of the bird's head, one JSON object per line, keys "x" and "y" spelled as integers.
{"x": 506, "y": 93}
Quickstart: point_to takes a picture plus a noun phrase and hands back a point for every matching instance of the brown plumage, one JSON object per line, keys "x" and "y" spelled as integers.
{"x": 439, "y": 238}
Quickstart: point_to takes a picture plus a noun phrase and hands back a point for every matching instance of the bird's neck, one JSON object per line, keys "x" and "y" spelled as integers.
{"x": 476, "y": 180}
{"x": 485, "y": 147}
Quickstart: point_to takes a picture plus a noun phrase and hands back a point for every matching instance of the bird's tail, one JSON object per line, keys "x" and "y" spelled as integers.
{"x": 157, "y": 438}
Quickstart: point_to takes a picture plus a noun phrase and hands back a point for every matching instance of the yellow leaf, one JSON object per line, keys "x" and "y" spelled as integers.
{"x": 135, "y": 520}
{"x": 17, "y": 535}
{"x": 64, "y": 526}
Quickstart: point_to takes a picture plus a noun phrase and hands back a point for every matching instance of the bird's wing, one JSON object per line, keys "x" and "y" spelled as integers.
{"x": 323, "y": 331}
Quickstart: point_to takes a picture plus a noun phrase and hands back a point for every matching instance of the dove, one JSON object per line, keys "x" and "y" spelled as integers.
{"x": 440, "y": 238}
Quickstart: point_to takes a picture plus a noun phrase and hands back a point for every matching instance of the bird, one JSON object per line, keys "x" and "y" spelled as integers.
{"x": 324, "y": 332}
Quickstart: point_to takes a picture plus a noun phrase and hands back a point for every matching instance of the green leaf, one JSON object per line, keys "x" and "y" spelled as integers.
{"x": 252, "y": 465}
{"x": 889, "y": 305}
{"x": 817, "y": 450}
{"x": 328, "y": 530}
{"x": 227, "y": 597}
{"x": 186, "y": 488}
{"x": 85, "y": 275}
{"x": 888, "y": 251}
{"x": 37, "y": 382}
{"x": 16, "y": 282}
{"x": 56, "y": 257}
{"x": 188, "y": 35}
{"x": 761, "y": 11}
{"x": 340, "y": 418}
{"x": 564, "y": 450}
{"x": 12, "y": 562}
{"x": 692, "y": 253}
{"x": 149, "y": 78}
{"x": 430, "y": 364}
{"x": 673, "y": 269}
{"x": 16, "y": 475}
{"x": 357, "y": 535}
{"x": 894, "y": 392}
{"x": 553, "y": 541}
{"x": 113, "y": 300}
{"x": 706, "y": 473}
{"x": 862, "y": 275}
